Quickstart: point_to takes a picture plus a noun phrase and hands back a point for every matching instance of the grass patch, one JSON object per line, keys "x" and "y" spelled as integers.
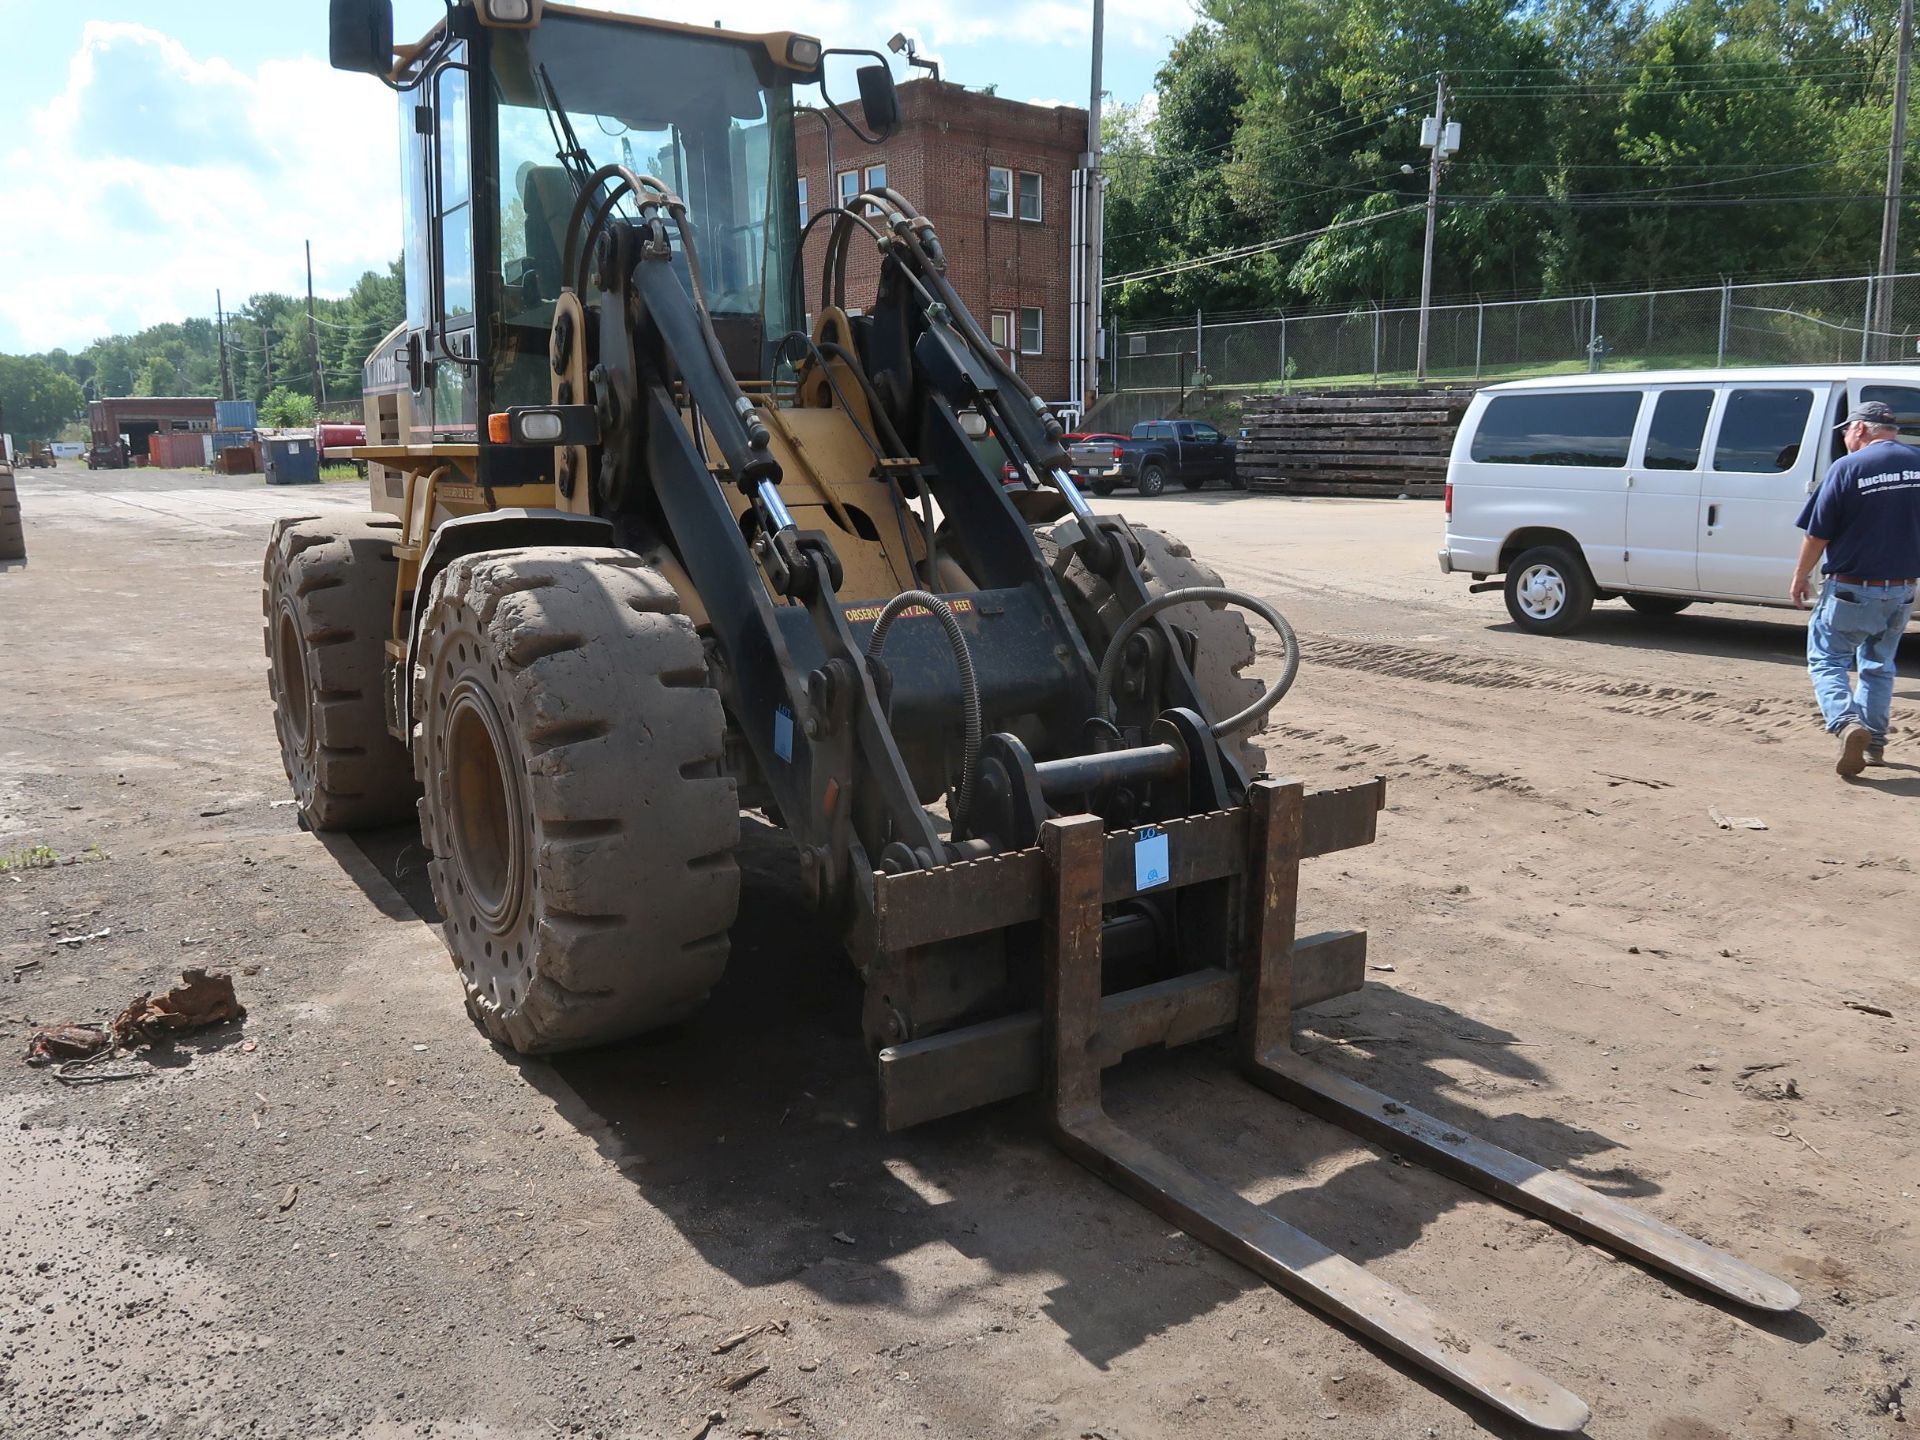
{"x": 340, "y": 470}
{"x": 45, "y": 857}
{"x": 32, "y": 857}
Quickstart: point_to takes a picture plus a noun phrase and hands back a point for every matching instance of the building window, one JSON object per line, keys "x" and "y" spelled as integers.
{"x": 1030, "y": 330}
{"x": 876, "y": 178}
{"x": 804, "y": 215}
{"x": 849, "y": 186}
{"x": 1002, "y": 331}
{"x": 1000, "y": 192}
{"x": 1029, "y": 196}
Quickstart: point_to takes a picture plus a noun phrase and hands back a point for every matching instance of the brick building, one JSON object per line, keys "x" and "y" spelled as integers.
{"x": 997, "y": 178}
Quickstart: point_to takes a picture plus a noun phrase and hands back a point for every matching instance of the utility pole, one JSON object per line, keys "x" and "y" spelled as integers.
{"x": 1093, "y": 219}
{"x": 226, "y": 382}
{"x": 1435, "y": 136}
{"x": 313, "y": 337}
{"x": 1896, "y": 167}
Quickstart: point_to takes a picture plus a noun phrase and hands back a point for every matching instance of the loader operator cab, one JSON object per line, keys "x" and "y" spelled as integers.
{"x": 505, "y": 108}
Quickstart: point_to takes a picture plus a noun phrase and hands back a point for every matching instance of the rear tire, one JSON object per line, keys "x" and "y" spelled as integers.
{"x": 1657, "y": 604}
{"x": 1104, "y": 488}
{"x": 327, "y": 593}
{"x": 581, "y": 826}
{"x": 13, "y": 533}
{"x": 1223, "y": 641}
{"x": 1153, "y": 479}
{"x": 1549, "y": 590}
{"x": 1193, "y": 482}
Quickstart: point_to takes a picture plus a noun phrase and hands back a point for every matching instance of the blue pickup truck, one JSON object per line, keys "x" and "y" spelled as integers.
{"x": 1190, "y": 451}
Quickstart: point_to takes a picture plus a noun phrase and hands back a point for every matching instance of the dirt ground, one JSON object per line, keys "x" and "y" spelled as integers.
{"x": 349, "y": 1215}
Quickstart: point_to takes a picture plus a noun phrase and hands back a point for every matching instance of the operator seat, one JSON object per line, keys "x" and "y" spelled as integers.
{"x": 546, "y": 197}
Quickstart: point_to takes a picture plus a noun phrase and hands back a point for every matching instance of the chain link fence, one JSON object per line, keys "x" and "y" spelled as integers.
{"x": 1800, "y": 322}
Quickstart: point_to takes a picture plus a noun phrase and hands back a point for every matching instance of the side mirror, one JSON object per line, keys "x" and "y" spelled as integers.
{"x": 360, "y": 35}
{"x": 879, "y": 101}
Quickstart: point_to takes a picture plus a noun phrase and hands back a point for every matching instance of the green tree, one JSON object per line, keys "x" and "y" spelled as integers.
{"x": 35, "y": 398}
{"x": 286, "y": 409}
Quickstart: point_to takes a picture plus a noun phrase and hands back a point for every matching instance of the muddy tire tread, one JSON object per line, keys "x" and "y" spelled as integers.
{"x": 602, "y": 685}
{"x": 337, "y": 573}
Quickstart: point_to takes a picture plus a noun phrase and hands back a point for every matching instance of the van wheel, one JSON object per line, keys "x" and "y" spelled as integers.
{"x": 1153, "y": 478}
{"x": 1549, "y": 590}
{"x": 1657, "y": 604}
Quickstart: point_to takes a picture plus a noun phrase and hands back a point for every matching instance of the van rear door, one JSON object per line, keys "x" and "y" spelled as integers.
{"x": 1663, "y": 492}
{"x": 1764, "y": 452}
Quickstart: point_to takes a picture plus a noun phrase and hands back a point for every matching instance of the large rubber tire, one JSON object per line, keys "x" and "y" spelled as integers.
{"x": 1194, "y": 482}
{"x": 13, "y": 534}
{"x": 1153, "y": 478}
{"x": 1223, "y": 641}
{"x": 1104, "y": 488}
{"x": 327, "y": 594}
{"x": 1657, "y": 604}
{"x": 580, "y": 824}
{"x": 1549, "y": 590}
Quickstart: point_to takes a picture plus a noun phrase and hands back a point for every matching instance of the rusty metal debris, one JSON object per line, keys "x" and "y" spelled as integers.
{"x": 202, "y": 998}
{"x": 59, "y": 1043}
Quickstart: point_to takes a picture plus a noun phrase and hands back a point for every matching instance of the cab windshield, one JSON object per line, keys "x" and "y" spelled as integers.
{"x": 711, "y": 118}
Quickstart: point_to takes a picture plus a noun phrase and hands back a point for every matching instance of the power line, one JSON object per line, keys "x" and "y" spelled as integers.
{"x": 1245, "y": 252}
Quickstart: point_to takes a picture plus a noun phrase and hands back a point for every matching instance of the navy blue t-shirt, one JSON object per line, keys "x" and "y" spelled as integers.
{"x": 1868, "y": 512}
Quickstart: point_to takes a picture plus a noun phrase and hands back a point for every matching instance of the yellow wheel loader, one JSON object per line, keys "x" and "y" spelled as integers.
{"x": 650, "y": 546}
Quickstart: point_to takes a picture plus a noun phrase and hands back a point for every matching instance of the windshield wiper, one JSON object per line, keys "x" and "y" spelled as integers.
{"x": 571, "y": 154}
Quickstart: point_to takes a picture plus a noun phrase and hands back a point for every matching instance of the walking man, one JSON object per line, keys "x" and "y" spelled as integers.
{"x": 1865, "y": 521}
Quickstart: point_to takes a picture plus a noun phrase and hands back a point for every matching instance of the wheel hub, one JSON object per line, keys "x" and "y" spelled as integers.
{"x": 486, "y": 809}
{"x": 1542, "y": 591}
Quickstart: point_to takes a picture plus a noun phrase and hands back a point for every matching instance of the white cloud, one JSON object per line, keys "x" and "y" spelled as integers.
{"x": 937, "y": 24}
{"x": 155, "y": 177}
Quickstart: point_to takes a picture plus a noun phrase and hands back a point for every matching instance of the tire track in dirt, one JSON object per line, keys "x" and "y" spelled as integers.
{"x": 1755, "y": 715}
{"x": 1308, "y": 743}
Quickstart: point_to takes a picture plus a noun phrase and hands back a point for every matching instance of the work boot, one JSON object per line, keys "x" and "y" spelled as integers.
{"x": 1854, "y": 740}
{"x": 1877, "y": 752}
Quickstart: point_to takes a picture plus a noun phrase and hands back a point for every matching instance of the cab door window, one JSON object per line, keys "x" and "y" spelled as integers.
{"x": 453, "y": 191}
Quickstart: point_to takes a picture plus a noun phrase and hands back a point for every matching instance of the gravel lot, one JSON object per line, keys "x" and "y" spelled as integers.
{"x": 349, "y": 1215}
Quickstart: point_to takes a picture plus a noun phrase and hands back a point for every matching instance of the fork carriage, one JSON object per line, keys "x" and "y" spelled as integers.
{"x": 1068, "y": 884}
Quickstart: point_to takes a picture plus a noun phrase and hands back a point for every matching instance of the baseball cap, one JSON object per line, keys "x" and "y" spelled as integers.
{"x": 1871, "y": 412}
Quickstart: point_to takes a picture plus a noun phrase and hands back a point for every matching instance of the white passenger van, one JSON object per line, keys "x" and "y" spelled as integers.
{"x": 1659, "y": 489}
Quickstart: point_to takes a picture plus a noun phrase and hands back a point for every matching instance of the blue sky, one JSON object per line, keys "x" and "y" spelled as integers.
{"x": 168, "y": 147}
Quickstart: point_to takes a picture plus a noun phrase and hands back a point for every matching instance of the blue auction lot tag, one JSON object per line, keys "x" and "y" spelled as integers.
{"x": 783, "y": 733}
{"x": 1150, "y": 865}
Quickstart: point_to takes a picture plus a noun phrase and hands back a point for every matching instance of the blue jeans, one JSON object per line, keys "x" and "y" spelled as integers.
{"x": 1856, "y": 627}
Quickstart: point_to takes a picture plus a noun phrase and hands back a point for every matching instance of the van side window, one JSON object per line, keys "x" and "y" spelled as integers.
{"x": 1679, "y": 425}
{"x": 1594, "y": 428}
{"x": 1761, "y": 431}
{"x": 1905, "y": 401}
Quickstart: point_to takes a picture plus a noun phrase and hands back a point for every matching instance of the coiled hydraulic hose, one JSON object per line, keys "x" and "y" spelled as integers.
{"x": 1110, "y": 662}
{"x": 969, "y": 687}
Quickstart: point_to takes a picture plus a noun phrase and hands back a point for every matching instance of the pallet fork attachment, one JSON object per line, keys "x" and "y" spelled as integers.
{"x": 1073, "y": 1011}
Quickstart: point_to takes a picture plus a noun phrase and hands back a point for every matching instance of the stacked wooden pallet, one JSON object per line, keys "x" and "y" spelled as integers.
{"x": 1351, "y": 442}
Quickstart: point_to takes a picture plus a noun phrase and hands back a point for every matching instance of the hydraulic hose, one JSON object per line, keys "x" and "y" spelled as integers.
{"x": 1110, "y": 662}
{"x": 969, "y": 686}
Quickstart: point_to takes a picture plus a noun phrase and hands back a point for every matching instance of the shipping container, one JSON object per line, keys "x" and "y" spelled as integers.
{"x": 292, "y": 460}
{"x": 236, "y": 415}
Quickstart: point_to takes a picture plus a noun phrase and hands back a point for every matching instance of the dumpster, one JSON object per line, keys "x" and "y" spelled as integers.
{"x": 292, "y": 460}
